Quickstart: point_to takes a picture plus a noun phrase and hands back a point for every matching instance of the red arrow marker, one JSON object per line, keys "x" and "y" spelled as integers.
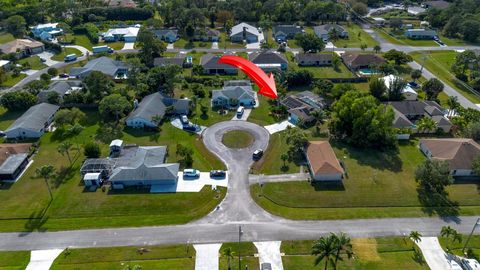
{"x": 266, "y": 83}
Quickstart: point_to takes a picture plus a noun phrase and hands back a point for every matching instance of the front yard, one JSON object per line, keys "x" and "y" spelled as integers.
{"x": 356, "y": 37}
{"x": 33, "y": 62}
{"x": 378, "y": 184}
{"x": 11, "y": 80}
{"x": 324, "y": 72}
{"x": 66, "y": 51}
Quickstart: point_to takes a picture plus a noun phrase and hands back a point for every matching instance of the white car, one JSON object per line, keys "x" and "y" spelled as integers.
{"x": 240, "y": 111}
{"x": 191, "y": 173}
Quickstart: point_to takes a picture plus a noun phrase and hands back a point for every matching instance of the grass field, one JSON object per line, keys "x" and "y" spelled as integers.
{"x": 74, "y": 208}
{"x": 356, "y": 37}
{"x": 237, "y": 139}
{"x": 456, "y": 248}
{"x": 14, "y": 260}
{"x": 66, "y": 51}
{"x": 321, "y": 72}
{"x": 439, "y": 63}
{"x": 247, "y": 251}
{"x": 399, "y": 38}
{"x": 11, "y": 80}
{"x": 183, "y": 44}
{"x": 261, "y": 115}
{"x": 378, "y": 184}
{"x": 369, "y": 254}
{"x": 5, "y": 37}
{"x": 33, "y": 61}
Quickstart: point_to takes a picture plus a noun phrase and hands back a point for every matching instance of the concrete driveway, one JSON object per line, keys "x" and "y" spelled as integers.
{"x": 214, "y": 45}
{"x": 128, "y": 46}
{"x": 277, "y": 127}
{"x": 245, "y": 115}
{"x": 269, "y": 252}
{"x": 47, "y": 56}
{"x": 42, "y": 259}
{"x": 207, "y": 256}
{"x": 433, "y": 253}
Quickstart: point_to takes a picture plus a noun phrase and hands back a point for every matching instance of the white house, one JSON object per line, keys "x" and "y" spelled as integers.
{"x": 407, "y": 92}
{"x": 235, "y": 93}
{"x": 127, "y": 34}
{"x": 92, "y": 179}
{"x": 322, "y": 162}
{"x": 244, "y": 31}
{"x": 33, "y": 123}
{"x": 458, "y": 152}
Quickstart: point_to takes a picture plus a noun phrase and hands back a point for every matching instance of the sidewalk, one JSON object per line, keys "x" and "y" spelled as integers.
{"x": 269, "y": 253}
{"x": 207, "y": 256}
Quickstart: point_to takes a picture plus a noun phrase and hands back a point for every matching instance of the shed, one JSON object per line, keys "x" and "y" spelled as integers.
{"x": 92, "y": 179}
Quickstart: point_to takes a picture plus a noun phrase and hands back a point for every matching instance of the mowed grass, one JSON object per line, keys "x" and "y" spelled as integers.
{"x": 246, "y": 250}
{"x": 369, "y": 253}
{"x": 153, "y": 257}
{"x": 261, "y": 115}
{"x": 74, "y": 208}
{"x": 33, "y": 62}
{"x": 66, "y": 51}
{"x": 439, "y": 63}
{"x": 356, "y": 37}
{"x": 377, "y": 185}
{"x": 11, "y": 80}
{"x": 237, "y": 139}
{"x": 5, "y": 37}
{"x": 325, "y": 72}
{"x": 14, "y": 260}
{"x": 456, "y": 247}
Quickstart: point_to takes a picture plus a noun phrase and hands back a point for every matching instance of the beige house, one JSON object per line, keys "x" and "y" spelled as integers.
{"x": 322, "y": 162}
{"x": 22, "y": 47}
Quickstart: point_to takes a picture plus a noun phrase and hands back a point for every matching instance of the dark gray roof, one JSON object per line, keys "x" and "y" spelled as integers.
{"x": 441, "y": 120}
{"x": 413, "y": 107}
{"x": 326, "y": 28}
{"x": 12, "y": 163}
{"x": 210, "y": 61}
{"x": 156, "y": 104}
{"x": 313, "y": 57}
{"x": 60, "y": 87}
{"x": 234, "y": 92}
{"x": 305, "y": 99}
{"x": 267, "y": 57}
{"x": 163, "y": 32}
{"x": 165, "y": 61}
{"x": 145, "y": 163}
{"x": 103, "y": 64}
{"x": 35, "y": 117}
{"x": 400, "y": 121}
{"x": 287, "y": 29}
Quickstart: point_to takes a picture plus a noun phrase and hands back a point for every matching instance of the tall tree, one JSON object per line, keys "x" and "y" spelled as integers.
{"x": 15, "y": 25}
{"x": 476, "y": 166}
{"x": 415, "y": 236}
{"x": 150, "y": 46}
{"x": 395, "y": 89}
{"x": 266, "y": 24}
{"x": 64, "y": 149}
{"x": 426, "y": 125}
{"x": 432, "y": 88}
{"x": 98, "y": 85}
{"x": 377, "y": 88}
{"x": 343, "y": 246}
{"x": 46, "y": 172}
{"x": 318, "y": 118}
{"x": 296, "y": 140}
{"x": 416, "y": 74}
{"x": 433, "y": 176}
{"x": 309, "y": 42}
{"x": 377, "y": 48}
{"x": 114, "y": 105}
{"x": 398, "y": 57}
{"x": 324, "y": 250}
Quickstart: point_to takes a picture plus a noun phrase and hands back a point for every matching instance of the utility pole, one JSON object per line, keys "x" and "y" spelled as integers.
{"x": 239, "y": 239}
{"x": 424, "y": 58}
{"x": 470, "y": 236}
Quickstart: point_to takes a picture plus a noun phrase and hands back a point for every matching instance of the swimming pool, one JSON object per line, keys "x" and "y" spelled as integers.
{"x": 367, "y": 72}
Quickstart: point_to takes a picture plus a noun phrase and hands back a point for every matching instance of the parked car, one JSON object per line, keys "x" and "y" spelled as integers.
{"x": 191, "y": 173}
{"x": 217, "y": 173}
{"x": 43, "y": 60}
{"x": 266, "y": 266}
{"x": 240, "y": 111}
{"x": 70, "y": 57}
{"x": 257, "y": 154}
{"x": 63, "y": 75}
{"x": 184, "y": 120}
{"x": 192, "y": 128}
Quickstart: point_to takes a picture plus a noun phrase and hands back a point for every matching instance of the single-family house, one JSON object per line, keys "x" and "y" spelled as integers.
{"x": 420, "y": 33}
{"x": 234, "y": 93}
{"x": 245, "y": 32}
{"x": 300, "y": 106}
{"x": 407, "y": 92}
{"x": 284, "y": 32}
{"x": 5, "y": 64}
{"x": 324, "y": 31}
{"x": 322, "y": 162}
{"x": 357, "y": 61}
{"x": 207, "y": 34}
{"x": 46, "y": 31}
{"x": 13, "y": 160}
{"x": 402, "y": 124}
{"x": 438, "y": 4}
{"x": 62, "y": 88}
{"x": 165, "y": 61}
{"x": 153, "y": 106}
{"x": 314, "y": 59}
{"x": 121, "y": 3}
{"x": 458, "y": 152}
{"x": 169, "y": 35}
{"x": 114, "y": 69}
{"x": 127, "y": 34}
{"x": 210, "y": 65}
{"x": 269, "y": 60}
{"x": 22, "y": 47}
{"x": 33, "y": 123}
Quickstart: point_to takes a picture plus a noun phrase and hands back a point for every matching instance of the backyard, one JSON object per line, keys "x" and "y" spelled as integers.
{"x": 321, "y": 72}
{"x": 23, "y": 202}
{"x": 378, "y": 184}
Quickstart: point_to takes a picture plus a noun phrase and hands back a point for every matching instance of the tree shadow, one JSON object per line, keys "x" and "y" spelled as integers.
{"x": 328, "y": 186}
{"x": 36, "y": 221}
{"x": 440, "y": 204}
{"x": 284, "y": 168}
{"x": 64, "y": 173}
{"x": 418, "y": 256}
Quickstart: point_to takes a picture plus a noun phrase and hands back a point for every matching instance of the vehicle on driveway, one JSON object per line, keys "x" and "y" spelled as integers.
{"x": 63, "y": 75}
{"x": 2, "y": 133}
{"x": 184, "y": 120}
{"x": 43, "y": 60}
{"x": 240, "y": 111}
{"x": 217, "y": 174}
{"x": 192, "y": 128}
{"x": 266, "y": 266}
{"x": 191, "y": 173}
{"x": 257, "y": 154}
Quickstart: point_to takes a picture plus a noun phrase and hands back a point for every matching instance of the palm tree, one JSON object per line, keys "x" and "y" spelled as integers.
{"x": 324, "y": 249}
{"x": 343, "y": 245}
{"x": 64, "y": 149}
{"x": 46, "y": 172}
{"x": 377, "y": 48}
{"x": 284, "y": 158}
{"x": 426, "y": 124}
{"x": 415, "y": 236}
{"x": 447, "y": 232}
{"x": 229, "y": 253}
{"x": 453, "y": 103}
{"x": 318, "y": 118}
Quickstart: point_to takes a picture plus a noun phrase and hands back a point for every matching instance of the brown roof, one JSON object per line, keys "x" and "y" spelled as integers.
{"x": 19, "y": 45}
{"x": 460, "y": 153}
{"x": 361, "y": 59}
{"x": 322, "y": 159}
{"x": 12, "y": 148}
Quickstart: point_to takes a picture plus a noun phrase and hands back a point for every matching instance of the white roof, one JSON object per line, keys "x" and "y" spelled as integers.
{"x": 472, "y": 264}
{"x": 128, "y": 32}
{"x": 116, "y": 142}
{"x": 4, "y": 62}
{"x": 388, "y": 79}
{"x": 91, "y": 176}
{"x": 239, "y": 28}
{"x": 45, "y": 25}
{"x": 378, "y": 19}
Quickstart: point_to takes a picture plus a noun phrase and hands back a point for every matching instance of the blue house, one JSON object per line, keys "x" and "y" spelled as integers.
{"x": 282, "y": 33}
{"x": 46, "y": 31}
{"x": 168, "y": 35}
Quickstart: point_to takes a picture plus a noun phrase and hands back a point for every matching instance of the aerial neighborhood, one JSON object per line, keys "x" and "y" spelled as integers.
{"x": 341, "y": 134}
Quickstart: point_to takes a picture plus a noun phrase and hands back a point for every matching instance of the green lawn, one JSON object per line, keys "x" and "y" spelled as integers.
{"x": 73, "y": 208}
{"x": 12, "y": 80}
{"x": 439, "y": 63}
{"x": 321, "y": 72}
{"x": 33, "y": 61}
{"x": 14, "y": 259}
{"x": 356, "y": 37}
{"x": 237, "y": 139}
{"x": 397, "y": 37}
{"x": 66, "y": 51}
{"x": 261, "y": 115}
{"x": 369, "y": 253}
{"x": 154, "y": 257}
{"x": 247, "y": 251}
{"x": 114, "y": 45}
{"x": 82, "y": 40}
{"x": 378, "y": 184}
{"x": 5, "y": 37}
{"x": 183, "y": 44}
{"x": 225, "y": 41}
{"x": 456, "y": 248}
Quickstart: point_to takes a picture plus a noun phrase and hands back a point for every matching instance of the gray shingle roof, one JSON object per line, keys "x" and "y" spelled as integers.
{"x": 60, "y": 87}
{"x": 12, "y": 163}
{"x": 400, "y": 120}
{"x": 165, "y": 61}
{"x": 163, "y": 32}
{"x": 156, "y": 104}
{"x": 35, "y": 117}
{"x": 324, "y": 29}
{"x": 287, "y": 29}
{"x": 414, "y": 107}
{"x": 267, "y": 57}
{"x": 234, "y": 92}
{"x": 103, "y": 64}
{"x": 313, "y": 57}
{"x": 210, "y": 61}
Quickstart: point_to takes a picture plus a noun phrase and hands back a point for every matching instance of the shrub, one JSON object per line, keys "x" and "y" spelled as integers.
{"x": 92, "y": 150}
